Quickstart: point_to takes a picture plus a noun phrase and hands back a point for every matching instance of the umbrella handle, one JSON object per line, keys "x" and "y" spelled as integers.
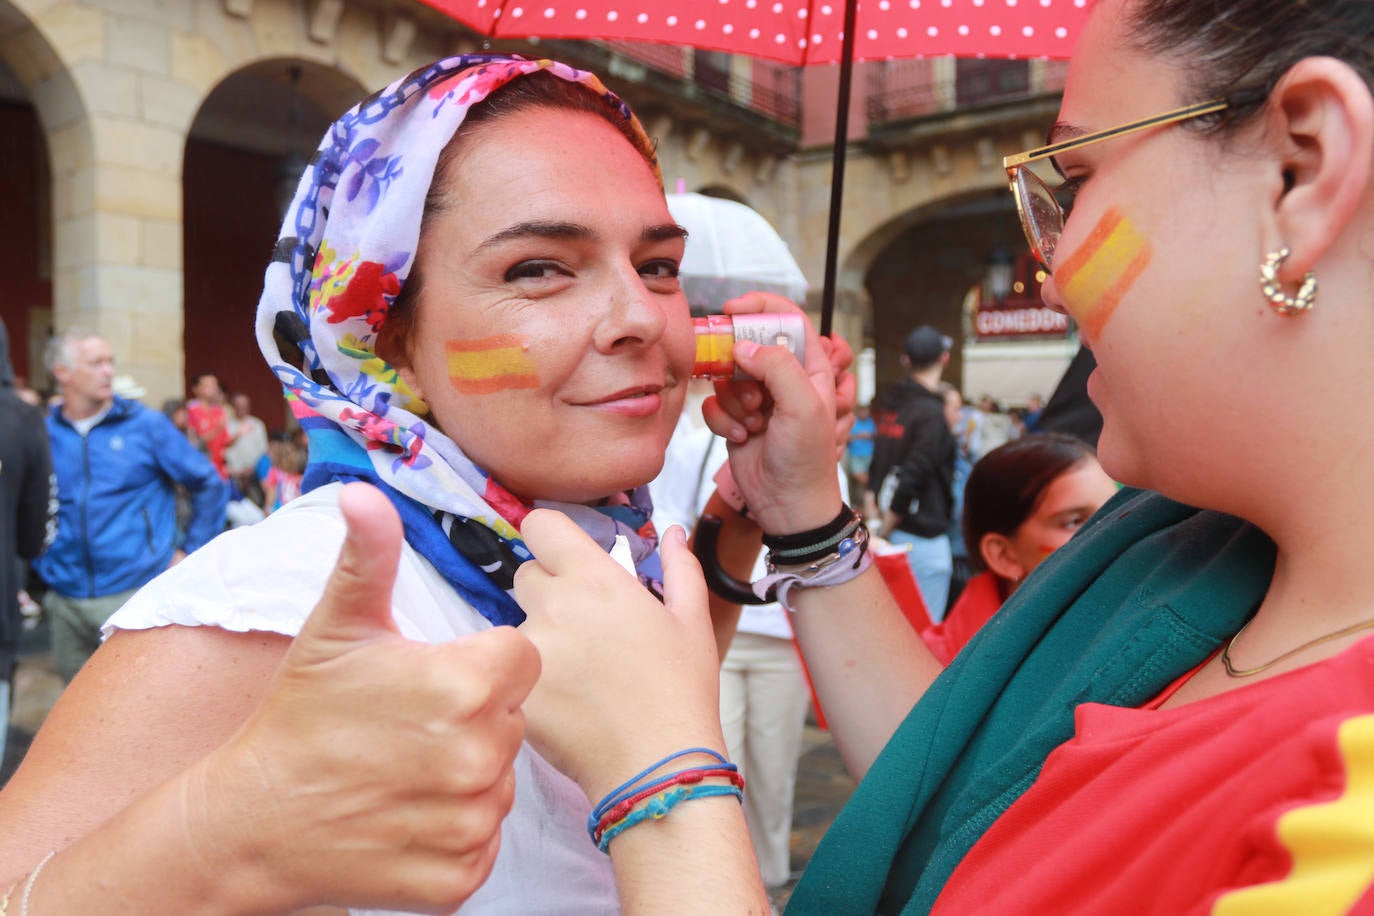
{"x": 704, "y": 543}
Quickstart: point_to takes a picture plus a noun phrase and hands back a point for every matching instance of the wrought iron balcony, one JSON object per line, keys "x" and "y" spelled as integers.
{"x": 760, "y": 87}
{"x": 918, "y": 89}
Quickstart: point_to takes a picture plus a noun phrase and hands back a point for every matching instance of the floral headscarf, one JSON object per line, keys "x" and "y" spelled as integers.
{"x": 347, "y": 245}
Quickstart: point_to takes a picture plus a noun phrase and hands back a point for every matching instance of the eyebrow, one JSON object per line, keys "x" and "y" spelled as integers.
{"x": 559, "y": 230}
{"x": 663, "y": 233}
{"x": 1062, "y": 131}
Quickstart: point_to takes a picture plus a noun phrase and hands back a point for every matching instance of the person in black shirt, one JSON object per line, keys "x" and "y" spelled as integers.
{"x": 913, "y": 465}
{"x": 27, "y": 508}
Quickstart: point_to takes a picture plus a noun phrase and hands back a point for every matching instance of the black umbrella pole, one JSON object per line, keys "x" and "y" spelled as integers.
{"x": 832, "y": 238}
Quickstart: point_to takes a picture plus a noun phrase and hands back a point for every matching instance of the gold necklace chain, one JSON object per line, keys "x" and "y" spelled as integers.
{"x": 1233, "y": 671}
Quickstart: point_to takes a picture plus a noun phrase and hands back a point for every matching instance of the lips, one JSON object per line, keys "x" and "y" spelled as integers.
{"x": 626, "y": 394}
{"x": 635, "y": 401}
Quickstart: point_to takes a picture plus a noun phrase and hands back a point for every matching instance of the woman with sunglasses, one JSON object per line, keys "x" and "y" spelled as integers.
{"x": 1175, "y": 712}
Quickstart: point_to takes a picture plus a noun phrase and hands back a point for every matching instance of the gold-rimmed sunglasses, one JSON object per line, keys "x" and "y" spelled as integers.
{"x": 1038, "y": 205}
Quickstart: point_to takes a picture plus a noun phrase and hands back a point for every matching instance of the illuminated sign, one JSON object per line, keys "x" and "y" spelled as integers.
{"x": 1017, "y": 320}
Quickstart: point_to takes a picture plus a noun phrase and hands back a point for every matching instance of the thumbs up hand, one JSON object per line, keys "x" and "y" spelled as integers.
{"x": 376, "y": 772}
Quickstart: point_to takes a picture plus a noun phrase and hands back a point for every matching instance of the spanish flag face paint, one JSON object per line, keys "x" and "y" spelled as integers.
{"x": 490, "y": 364}
{"x": 1095, "y": 277}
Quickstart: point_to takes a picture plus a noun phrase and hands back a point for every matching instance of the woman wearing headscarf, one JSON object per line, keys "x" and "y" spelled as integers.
{"x": 475, "y": 330}
{"x": 1175, "y": 712}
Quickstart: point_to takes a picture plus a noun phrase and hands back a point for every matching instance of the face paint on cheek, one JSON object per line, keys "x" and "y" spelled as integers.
{"x": 1094, "y": 278}
{"x": 490, "y": 364}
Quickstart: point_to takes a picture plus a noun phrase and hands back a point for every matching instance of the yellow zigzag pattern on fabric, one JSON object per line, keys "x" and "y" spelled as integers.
{"x": 1332, "y": 843}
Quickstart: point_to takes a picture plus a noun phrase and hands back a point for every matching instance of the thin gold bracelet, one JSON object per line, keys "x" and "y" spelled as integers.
{"x": 5, "y": 903}
{"x": 29, "y": 883}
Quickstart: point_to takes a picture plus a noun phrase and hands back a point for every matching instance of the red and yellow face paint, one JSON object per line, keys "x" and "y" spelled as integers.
{"x": 1094, "y": 278}
{"x": 487, "y": 365}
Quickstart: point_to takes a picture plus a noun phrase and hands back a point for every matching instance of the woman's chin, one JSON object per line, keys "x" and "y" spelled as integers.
{"x": 1121, "y": 462}
{"x": 590, "y": 490}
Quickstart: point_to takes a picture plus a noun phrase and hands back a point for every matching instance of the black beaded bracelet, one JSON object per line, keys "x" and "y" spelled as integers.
{"x": 808, "y": 545}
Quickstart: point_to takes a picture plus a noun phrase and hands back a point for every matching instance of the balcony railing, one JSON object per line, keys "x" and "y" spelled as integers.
{"x": 898, "y": 90}
{"x": 761, "y": 87}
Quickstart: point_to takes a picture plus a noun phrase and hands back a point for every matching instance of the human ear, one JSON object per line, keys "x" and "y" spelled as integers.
{"x": 393, "y": 346}
{"x": 1000, "y": 557}
{"x": 1325, "y": 113}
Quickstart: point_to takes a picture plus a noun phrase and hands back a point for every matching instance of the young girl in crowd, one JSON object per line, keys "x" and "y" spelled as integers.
{"x": 281, "y": 472}
{"x": 1023, "y": 501}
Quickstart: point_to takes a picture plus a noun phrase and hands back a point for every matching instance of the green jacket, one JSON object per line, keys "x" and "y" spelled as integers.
{"x": 1146, "y": 591}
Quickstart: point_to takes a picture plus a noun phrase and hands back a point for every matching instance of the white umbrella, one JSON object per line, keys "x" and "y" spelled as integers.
{"x": 731, "y": 250}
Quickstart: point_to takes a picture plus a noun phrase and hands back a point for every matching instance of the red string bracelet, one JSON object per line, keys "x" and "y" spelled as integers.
{"x": 682, "y": 777}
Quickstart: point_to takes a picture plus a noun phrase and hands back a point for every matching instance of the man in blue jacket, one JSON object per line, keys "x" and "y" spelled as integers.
{"x": 117, "y": 465}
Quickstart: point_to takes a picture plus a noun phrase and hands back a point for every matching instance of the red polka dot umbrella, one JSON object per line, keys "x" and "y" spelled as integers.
{"x": 798, "y": 32}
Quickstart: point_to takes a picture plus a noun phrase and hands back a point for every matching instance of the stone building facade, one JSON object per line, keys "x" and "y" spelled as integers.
{"x": 146, "y": 144}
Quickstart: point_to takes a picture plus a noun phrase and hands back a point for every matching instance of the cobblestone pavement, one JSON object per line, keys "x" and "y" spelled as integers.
{"x": 823, "y": 786}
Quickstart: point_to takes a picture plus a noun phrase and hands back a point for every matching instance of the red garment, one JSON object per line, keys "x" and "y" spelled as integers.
{"x": 281, "y": 487}
{"x": 980, "y": 599}
{"x": 1256, "y": 801}
{"x": 210, "y": 424}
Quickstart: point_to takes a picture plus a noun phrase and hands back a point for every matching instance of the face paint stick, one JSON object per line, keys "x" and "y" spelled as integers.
{"x": 717, "y": 335}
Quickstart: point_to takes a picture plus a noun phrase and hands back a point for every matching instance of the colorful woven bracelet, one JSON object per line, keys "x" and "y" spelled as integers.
{"x": 660, "y": 805}
{"x": 682, "y": 777}
{"x": 628, "y": 786}
{"x": 636, "y": 785}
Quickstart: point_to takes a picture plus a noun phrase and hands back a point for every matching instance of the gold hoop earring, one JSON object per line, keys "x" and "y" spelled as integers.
{"x": 1280, "y": 301}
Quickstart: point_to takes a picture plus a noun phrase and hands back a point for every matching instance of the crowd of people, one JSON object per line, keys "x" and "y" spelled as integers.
{"x": 133, "y": 490}
{"x": 928, "y": 439}
{"x": 463, "y": 672}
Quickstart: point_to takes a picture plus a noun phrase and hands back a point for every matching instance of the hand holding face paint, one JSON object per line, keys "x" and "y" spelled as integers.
{"x": 782, "y": 429}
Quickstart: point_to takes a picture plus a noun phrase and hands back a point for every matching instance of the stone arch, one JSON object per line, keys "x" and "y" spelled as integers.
{"x": 44, "y": 122}
{"x": 239, "y": 62}
{"x": 245, "y": 150}
{"x": 117, "y": 87}
{"x": 917, "y": 267}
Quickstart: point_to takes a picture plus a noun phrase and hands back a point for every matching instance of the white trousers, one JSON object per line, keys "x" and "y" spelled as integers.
{"x": 763, "y": 702}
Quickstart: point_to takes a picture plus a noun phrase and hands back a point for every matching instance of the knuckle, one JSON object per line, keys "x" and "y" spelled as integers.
{"x": 476, "y": 766}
